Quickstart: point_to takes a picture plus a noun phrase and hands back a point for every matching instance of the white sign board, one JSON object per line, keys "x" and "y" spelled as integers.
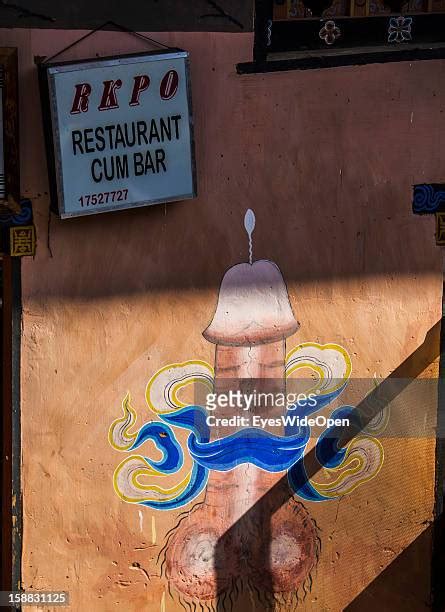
{"x": 121, "y": 132}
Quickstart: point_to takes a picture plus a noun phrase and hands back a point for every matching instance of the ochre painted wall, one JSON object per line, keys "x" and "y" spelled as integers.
{"x": 326, "y": 159}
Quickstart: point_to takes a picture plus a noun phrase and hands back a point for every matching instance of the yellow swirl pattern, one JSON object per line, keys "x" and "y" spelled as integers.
{"x": 363, "y": 461}
{"x": 364, "y": 455}
{"x": 380, "y": 420}
{"x": 330, "y": 362}
{"x": 162, "y": 396}
{"x": 163, "y": 387}
{"x": 119, "y": 435}
{"x": 129, "y": 488}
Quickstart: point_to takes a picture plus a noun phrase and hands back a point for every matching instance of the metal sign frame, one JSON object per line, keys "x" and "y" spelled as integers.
{"x": 47, "y": 72}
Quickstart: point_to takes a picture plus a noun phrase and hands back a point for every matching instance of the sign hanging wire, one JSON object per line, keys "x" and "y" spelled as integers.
{"x": 101, "y": 27}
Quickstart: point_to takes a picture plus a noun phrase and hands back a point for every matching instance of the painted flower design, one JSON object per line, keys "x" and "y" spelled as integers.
{"x": 329, "y": 32}
{"x": 399, "y": 29}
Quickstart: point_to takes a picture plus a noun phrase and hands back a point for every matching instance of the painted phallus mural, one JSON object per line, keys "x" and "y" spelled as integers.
{"x": 228, "y": 470}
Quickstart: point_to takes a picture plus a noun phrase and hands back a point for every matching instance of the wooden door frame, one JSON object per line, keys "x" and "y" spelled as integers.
{"x": 11, "y": 503}
{"x": 10, "y": 498}
{"x": 9, "y": 65}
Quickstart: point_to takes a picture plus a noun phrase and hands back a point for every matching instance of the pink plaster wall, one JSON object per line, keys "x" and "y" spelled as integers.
{"x": 326, "y": 159}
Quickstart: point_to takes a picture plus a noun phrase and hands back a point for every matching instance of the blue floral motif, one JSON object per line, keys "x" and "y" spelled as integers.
{"x": 399, "y": 29}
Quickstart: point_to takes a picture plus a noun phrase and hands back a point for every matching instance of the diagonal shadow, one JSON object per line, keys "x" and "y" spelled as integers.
{"x": 261, "y": 512}
{"x": 396, "y": 587}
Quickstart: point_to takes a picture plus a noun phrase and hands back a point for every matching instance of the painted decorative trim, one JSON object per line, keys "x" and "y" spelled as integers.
{"x": 399, "y": 29}
{"x": 269, "y": 32}
{"x": 428, "y": 198}
{"x": 17, "y": 232}
{"x": 354, "y": 57}
{"x": 329, "y": 32}
{"x": 9, "y": 218}
{"x": 22, "y": 240}
{"x": 440, "y": 228}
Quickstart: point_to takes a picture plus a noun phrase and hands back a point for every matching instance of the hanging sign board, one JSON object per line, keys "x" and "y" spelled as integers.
{"x": 119, "y": 132}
